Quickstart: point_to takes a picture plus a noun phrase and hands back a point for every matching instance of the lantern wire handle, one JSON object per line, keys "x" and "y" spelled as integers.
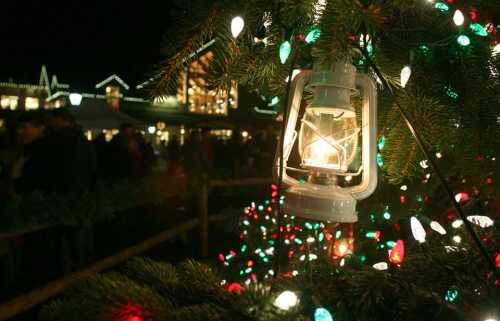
{"x": 434, "y": 165}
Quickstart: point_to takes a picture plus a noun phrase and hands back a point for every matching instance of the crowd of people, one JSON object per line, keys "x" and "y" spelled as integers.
{"x": 49, "y": 152}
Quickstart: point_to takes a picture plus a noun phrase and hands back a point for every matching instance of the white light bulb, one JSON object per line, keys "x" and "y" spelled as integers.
{"x": 481, "y": 220}
{"x": 381, "y": 266}
{"x": 405, "y": 75}
{"x": 151, "y": 129}
{"x": 458, "y": 18}
{"x": 496, "y": 50}
{"x": 417, "y": 230}
{"x": 439, "y": 155}
{"x": 424, "y": 164}
{"x": 295, "y": 72}
{"x": 404, "y": 187}
{"x": 457, "y": 239}
{"x": 438, "y": 228}
{"x": 286, "y": 300}
{"x": 237, "y": 25}
{"x": 457, "y": 223}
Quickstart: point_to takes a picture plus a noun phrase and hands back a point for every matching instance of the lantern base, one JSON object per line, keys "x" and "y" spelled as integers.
{"x": 324, "y": 204}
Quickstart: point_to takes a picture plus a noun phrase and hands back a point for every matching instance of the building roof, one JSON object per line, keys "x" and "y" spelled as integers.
{"x": 95, "y": 113}
{"x": 113, "y": 77}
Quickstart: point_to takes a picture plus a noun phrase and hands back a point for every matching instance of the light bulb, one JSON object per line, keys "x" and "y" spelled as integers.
{"x": 496, "y": 50}
{"x": 457, "y": 223}
{"x": 438, "y": 228}
{"x": 457, "y": 239}
{"x": 458, "y": 18}
{"x": 417, "y": 230}
{"x": 237, "y": 25}
{"x": 381, "y": 266}
{"x": 285, "y": 51}
{"x": 322, "y": 314}
{"x": 295, "y": 72}
{"x": 463, "y": 40}
{"x": 405, "y": 75}
{"x": 151, "y": 129}
{"x": 481, "y": 220}
{"x": 286, "y": 300}
{"x": 397, "y": 253}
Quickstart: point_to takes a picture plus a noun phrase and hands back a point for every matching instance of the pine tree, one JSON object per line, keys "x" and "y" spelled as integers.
{"x": 451, "y": 97}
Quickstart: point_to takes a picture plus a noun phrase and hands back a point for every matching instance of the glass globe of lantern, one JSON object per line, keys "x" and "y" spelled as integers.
{"x": 329, "y": 144}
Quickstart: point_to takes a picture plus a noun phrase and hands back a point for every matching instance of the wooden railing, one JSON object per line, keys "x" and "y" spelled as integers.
{"x": 33, "y": 298}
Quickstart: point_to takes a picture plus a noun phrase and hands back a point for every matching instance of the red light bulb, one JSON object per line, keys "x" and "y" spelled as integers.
{"x": 397, "y": 253}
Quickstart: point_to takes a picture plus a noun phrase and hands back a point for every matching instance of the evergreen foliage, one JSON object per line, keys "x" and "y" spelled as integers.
{"x": 452, "y": 97}
{"x": 400, "y": 33}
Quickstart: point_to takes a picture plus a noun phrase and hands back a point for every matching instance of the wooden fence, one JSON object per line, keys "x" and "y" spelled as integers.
{"x": 33, "y": 298}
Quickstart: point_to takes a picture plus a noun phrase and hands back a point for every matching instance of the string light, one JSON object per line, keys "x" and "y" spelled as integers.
{"x": 458, "y": 18}
{"x": 237, "y": 25}
{"x": 417, "y": 230}
{"x": 313, "y": 36}
{"x": 481, "y": 220}
{"x": 478, "y": 29}
{"x": 457, "y": 223}
{"x": 462, "y": 197}
{"x": 405, "y": 76}
{"x": 443, "y": 7}
{"x": 274, "y": 101}
{"x": 397, "y": 253}
{"x": 285, "y": 51}
{"x": 322, "y": 314}
{"x": 295, "y": 72}
{"x": 381, "y": 266}
{"x": 451, "y": 295}
{"x": 496, "y": 50}
{"x": 457, "y": 239}
{"x": 463, "y": 40}
{"x": 286, "y": 300}
{"x": 438, "y": 228}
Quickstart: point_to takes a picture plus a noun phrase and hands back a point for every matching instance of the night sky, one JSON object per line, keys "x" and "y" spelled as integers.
{"x": 83, "y": 42}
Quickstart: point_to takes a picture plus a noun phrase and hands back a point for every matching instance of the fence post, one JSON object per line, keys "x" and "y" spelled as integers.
{"x": 203, "y": 208}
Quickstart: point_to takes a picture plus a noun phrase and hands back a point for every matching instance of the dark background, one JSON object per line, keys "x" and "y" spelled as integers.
{"x": 82, "y": 42}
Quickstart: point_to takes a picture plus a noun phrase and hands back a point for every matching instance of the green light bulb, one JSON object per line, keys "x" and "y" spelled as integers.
{"x": 322, "y": 314}
{"x": 478, "y": 30}
{"x": 285, "y": 51}
{"x": 443, "y": 7}
{"x": 387, "y": 215}
{"x": 463, "y": 40}
{"x": 380, "y": 161}
{"x": 381, "y": 143}
{"x": 274, "y": 101}
{"x": 451, "y": 295}
{"x": 313, "y": 35}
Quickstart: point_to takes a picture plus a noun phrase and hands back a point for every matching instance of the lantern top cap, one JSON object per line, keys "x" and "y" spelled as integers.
{"x": 340, "y": 74}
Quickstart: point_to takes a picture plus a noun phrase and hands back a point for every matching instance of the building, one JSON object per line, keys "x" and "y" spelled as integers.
{"x": 193, "y": 106}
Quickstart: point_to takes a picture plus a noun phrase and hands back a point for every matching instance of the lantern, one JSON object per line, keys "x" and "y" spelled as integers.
{"x": 329, "y": 144}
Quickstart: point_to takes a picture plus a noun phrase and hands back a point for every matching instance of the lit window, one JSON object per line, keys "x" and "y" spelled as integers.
{"x": 31, "y": 103}
{"x": 9, "y": 102}
{"x": 200, "y": 99}
{"x": 113, "y": 96}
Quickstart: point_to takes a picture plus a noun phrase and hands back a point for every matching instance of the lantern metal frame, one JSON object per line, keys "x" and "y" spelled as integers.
{"x": 330, "y": 202}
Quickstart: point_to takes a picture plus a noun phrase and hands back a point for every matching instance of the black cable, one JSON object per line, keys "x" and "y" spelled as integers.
{"x": 434, "y": 166}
